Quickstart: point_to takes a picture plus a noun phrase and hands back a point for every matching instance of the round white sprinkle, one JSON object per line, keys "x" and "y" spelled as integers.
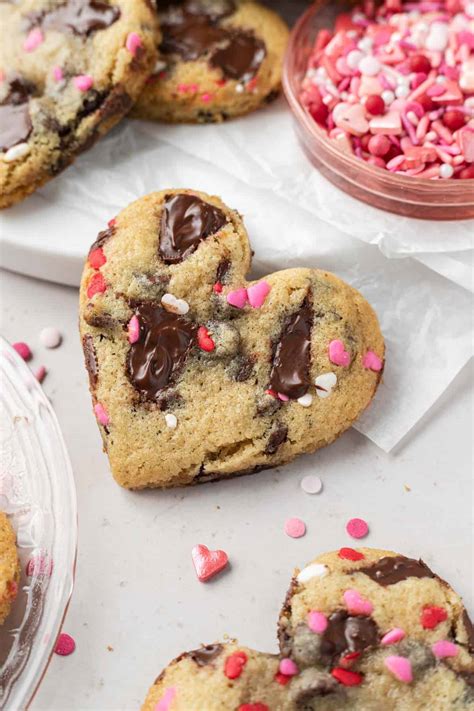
{"x": 353, "y": 58}
{"x": 311, "y": 484}
{"x": 370, "y": 66}
{"x": 171, "y": 421}
{"x": 441, "y": 79}
{"x": 239, "y": 88}
{"x": 50, "y": 337}
{"x": 388, "y": 96}
{"x": 305, "y": 400}
{"x": 365, "y": 44}
{"x": 315, "y": 570}
{"x": 446, "y": 171}
{"x": 16, "y": 152}
{"x": 401, "y": 91}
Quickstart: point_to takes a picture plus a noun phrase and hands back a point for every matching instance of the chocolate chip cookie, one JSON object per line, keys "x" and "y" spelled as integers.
{"x": 360, "y": 629}
{"x": 197, "y": 374}
{"x": 69, "y": 70}
{"x": 217, "y": 59}
{"x": 9, "y": 567}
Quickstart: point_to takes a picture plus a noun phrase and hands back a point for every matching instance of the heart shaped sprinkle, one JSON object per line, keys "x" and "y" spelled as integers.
{"x": 305, "y": 400}
{"x": 400, "y": 667}
{"x": 392, "y": 637}
{"x": 443, "y": 649}
{"x": 432, "y": 616}
{"x": 96, "y": 285}
{"x": 325, "y": 384}
{"x": 174, "y": 305}
{"x": 356, "y": 604}
{"x": 234, "y": 665}
{"x": 171, "y": 420}
{"x": 372, "y": 361}
{"x": 257, "y": 293}
{"x": 351, "y": 118}
{"x": 133, "y": 330}
{"x": 237, "y": 298}
{"x": 346, "y": 677}
{"x": 97, "y": 258}
{"x": 350, "y": 554}
{"x": 101, "y": 414}
{"x": 205, "y": 342}
{"x": 317, "y": 622}
{"x": 338, "y": 355}
{"x": 164, "y": 704}
{"x": 208, "y": 563}
{"x": 315, "y": 570}
{"x": 65, "y": 645}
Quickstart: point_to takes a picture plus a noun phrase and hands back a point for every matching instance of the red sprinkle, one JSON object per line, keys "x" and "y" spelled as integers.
{"x": 453, "y": 120}
{"x": 346, "y": 677}
{"x": 205, "y": 342}
{"x": 112, "y": 222}
{"x": 23, "y": 350}
{"x": 419, "y": 64}
{"x": 432, "y": 616}
{"x": 40, "y": 373}
{"x": 217, "y": 287}
{"x": 65, "y": 645}
{"x": 253, "y": 707}
{"x": 357, "y": 528}
{"x": 97, "y": 258}
{"x": 234, "y": 665}
{"x": 375, "y": 105}
{"x": 348, "y": 659}
{"x": 96, "y": 285}
{"x": 350, "y": 554}
{"x": 282, "y": 679}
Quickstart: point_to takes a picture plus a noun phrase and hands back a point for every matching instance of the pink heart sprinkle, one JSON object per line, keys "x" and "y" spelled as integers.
{"x": 237, "y": 298}
{"x": 65, "y": 645}
{"x": 257, "y": 293}
{"x": 83, "y": 82}
{"x": 133, "y": 329}
{"x": 317, "y": 622}
{"x": 400, "y": 668}
{"x": 57, "y": 74}
{"x": 164, "y": 704}
{"x": 372, "y": 361}
{"x": 356, "y": 604}
{"x": 443, "y": 648}
{"x": 393, "y": 636}
{"x": 208, "y": 563}
{"x": 282, "y": 397}
{"x": 288, "y": 667}
{"x": 295, "y": 527}
{"x": 101, "y": 414}
{"x": 33, "y": 40}
{"x": 338, "y": 355}
{"x": 133, "y": 43}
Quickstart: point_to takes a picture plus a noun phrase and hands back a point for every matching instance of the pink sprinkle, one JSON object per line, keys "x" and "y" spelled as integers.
{"x": 356, "y": 604}
{"x": 443, "y": 648}
{"x": 257, "y": 293}
{"x": 133, "y": 43}
{"x": 183, "y": 88}
{"x": 39, "y": 565}
{"x": 65, "y": 645}
{"x": 357, "y": 528}
{"x": 435, "y": 90}
{"x": 288, "y": 667}
{"x": 133, "y": 330}
{"x": 58, "y": 74}
{"x": 101, "y": 414}
{"x": 206, "y": 98}
{"x": 237, "y": 298}
{"x": 23, "y": 350}
{"x": 372, "y": 361}
{"x": 83, "y": 82}
{"x": 400, "y": 668}
{"x": 33, "y": 40}
{"x": 295, "y": 527}
{"x": 282, "y": 397}
{"x": 317, "y": 622}
{"x": 338, "y": 355}
{"x": 40, "y": 373}
{"x": 164, "y": 704}
{"x": 393, "y": 636}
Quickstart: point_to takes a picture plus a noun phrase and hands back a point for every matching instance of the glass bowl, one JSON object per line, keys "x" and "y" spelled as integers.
{"x": 405, "y": 195}
{"x": 38, "y": 494}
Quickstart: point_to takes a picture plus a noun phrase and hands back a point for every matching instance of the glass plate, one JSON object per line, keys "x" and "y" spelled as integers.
{"x": 37, "y": 492}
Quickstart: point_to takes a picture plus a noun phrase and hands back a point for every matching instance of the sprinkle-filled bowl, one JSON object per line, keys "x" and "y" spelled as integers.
{"x": 403, "y": 194}
{"x": 37, "y": 493}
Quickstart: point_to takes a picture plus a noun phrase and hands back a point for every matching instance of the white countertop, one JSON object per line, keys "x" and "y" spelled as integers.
{"x": 137, "y": 602}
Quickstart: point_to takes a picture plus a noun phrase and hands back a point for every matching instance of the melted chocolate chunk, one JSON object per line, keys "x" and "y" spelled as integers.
{"x": 82, "y": 17}
{"x": 15, "y": 121}
{"x": 312, "y": 684}
{"x": 393, "y": 569}
{"x": 90, "y": 358}
{"x": 191, "y": 38}
{"x": 241, "y": 57}
{"x": 345, "y": 634}
{"x": 206, "y": 655}
{"x": 222, "y": 270}
{"x": 157, "y": 358}
{"x": 291, "y": 362}
{"x": 186, "y": 220}
{"x": 277, "y": 437}
{"x": 469, "y": 629}
{"x": 102, "y": 238}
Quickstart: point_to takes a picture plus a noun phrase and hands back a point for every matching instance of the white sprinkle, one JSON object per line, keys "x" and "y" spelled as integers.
{"x": 50, "y": 337}
{"x": 311, "y": 484}
{"x": 365, "y": 44}
{"x": 446, "y": 171}
{"x": 315, "y": 570}
{"x": 159, "y": 66}
{"x": 388, "y": 96}
{"x": 325, "y": 383}
{"x": 16, "y": 152}
{"x": 171, "y": 421}
{"x": 305, "y": 400}
{"x": 240, "y": 88}
{"x": 174, "y": 305}
{"x": 440, "y": 79}
{"x": 401, "y": 91}
{"x": 369, "y": 66}
{"x": 353, "y": 58}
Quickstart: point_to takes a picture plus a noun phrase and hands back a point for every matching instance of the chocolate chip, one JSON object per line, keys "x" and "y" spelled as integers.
{"x": 90, "y": 358}
{"x": 81, "y": 17}
{"x": 206, "y": 655}
{"x": 393, "y": 569}
{"x": 92, "y": 100}
{"x": 312, "y": 684}
{"x": 103, "y": 321}
{"x": 102, "y": 238}
{"x": 241, "y": 57}
{"x": 241, "y": 368}
{"x": 469, "y": 630}
{"x": 277, "y": 437}
{"x": 116, "y": 103}
{"x": 292, "y": 355}
{"x": 223, "y": 271}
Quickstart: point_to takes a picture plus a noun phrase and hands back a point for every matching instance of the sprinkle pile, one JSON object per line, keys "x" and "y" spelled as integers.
{"x": 394, "y": 85}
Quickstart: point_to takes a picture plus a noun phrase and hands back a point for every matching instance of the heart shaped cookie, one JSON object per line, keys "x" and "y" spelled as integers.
{"x": 197, "y": 374}
{"x": 353, "y": 630}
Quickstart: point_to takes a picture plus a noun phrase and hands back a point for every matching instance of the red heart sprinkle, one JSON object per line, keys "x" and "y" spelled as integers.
{"x": 234, "y": 665}
{"x": 253, "y": 707}
{"x": 348, "y": 659}
{"x": 350, "y": 554}
{"x": 217, "y": 287}
{"x": 208, "y": 563}
{"x": 65, "y": 645}
{"x": 96, "y": 285}
{"x": 282, "y": 679}
{"x": 346, "y": 677}
{"x": 97, "y": 258}
{"x": 432, "y": 616}
{"x": 205, "y": 342}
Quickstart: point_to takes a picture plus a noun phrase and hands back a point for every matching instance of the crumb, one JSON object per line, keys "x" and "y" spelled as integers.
{"x": 406, "y": 487}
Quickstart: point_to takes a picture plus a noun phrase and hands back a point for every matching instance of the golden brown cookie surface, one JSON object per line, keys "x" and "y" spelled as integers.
{"x": 9, "y": 567}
